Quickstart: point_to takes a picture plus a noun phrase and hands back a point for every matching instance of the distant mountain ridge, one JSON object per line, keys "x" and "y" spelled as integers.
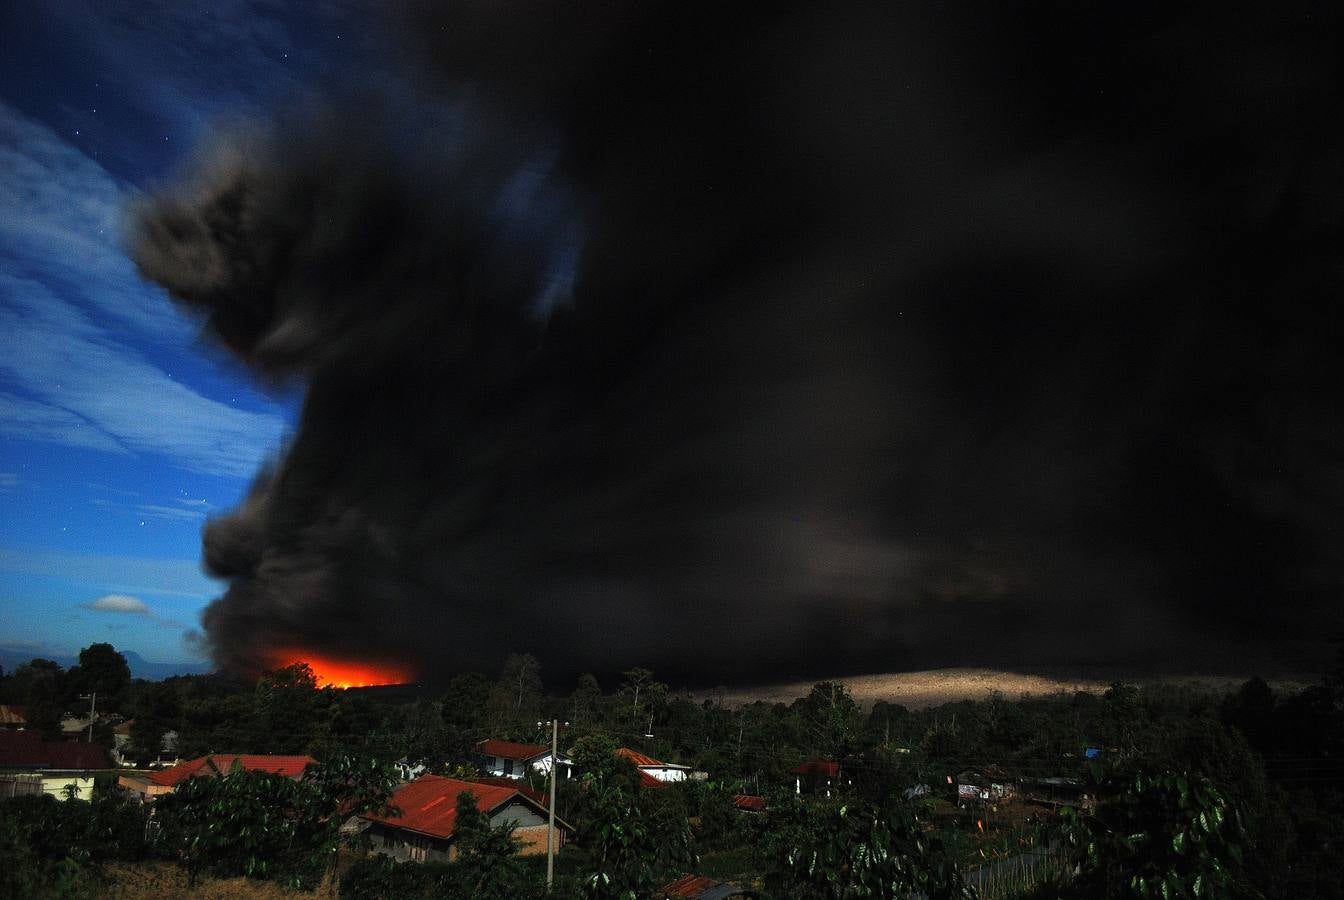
{"x": 12, "y": 656}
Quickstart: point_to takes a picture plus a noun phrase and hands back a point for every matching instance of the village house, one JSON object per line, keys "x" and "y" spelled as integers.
{"x": 121, "y": 740}
{"x": 652, "y": 770}
{"x": 30, "y": 765}
{"x": 150, "y": 784}
{"x": 507, "y": 759}
{"x": 424, "y": 830}
{"x": 815, "y": 776}
{"x": 988, "y": 785}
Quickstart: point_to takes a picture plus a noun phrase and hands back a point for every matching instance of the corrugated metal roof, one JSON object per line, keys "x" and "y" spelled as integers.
{"x": 510, "y": 750}
{"x": 222, "y": 763}
{"x": 429, "y": 804}
{"x": 749, "y": 802}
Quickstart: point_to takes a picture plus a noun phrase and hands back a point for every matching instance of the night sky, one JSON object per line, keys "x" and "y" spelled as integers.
{"x": 739, "y": 345}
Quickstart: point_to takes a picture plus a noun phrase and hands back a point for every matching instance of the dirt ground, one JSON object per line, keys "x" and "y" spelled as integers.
{"x": 160, "y": 880}
{"x": 917, "y": 690}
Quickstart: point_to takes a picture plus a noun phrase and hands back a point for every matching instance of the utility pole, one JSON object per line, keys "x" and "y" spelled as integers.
{"x": 550, "y": 832}
{"x": 93, "y": 701}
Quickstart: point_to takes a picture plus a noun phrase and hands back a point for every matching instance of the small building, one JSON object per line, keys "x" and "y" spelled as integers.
{"x": 121, "y": 742}
{"x": 507, "y": 759}
{"x": 650, "y": 768}
{"x": 30, "y": 765}
{"x": 701, "y": 887}
{"x": 150, "y": 784}
{"x": 424, "y": 830}
{"x": 815, "y": 775}
{"x": 75, "y": 728}
{"x": 408, "y": 770}
{"x": 988, "y": 785}
{"x": 1056, "y": 791}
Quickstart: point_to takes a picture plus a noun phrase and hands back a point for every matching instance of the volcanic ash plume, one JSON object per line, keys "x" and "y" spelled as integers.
{"x": 736, "y": 346}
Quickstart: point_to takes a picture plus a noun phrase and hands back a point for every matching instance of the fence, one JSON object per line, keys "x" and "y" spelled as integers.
{"x": 19, "y": 786}
{"x": 1014, "y": 875}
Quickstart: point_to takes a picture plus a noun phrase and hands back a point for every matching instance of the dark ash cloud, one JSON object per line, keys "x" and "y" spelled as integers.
{"x": 742, "y": 346}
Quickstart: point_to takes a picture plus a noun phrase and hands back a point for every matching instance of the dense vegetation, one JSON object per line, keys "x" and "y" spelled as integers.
{"x": 1197, "y": 794}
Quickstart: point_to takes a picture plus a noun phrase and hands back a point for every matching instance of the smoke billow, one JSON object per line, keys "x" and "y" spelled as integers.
{"x": 740, "y": 345}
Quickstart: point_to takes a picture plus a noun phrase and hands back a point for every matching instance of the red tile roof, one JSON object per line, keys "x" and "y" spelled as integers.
{"x": 13, "y": 715}
{"x": 22, "y": 748}
{"x": 644, "y": 761}
{"x": 26, "y": 749}
{"x": 429, "y": 804}
{"x": 222, "y": 764}
{"x": 64, "y": 755}
{"x": 510, "y": 750}
{"x": 823, "y": 767}
{"x": 521, "y": 786}
{"x": 689, "y": 886}
{"x": 749, "y": 802}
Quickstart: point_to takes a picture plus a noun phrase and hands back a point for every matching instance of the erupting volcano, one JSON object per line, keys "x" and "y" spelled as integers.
{"x": 345, "y": 673}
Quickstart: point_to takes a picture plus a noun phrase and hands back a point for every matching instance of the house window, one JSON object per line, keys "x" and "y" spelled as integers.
{"x": 417, "y": 849}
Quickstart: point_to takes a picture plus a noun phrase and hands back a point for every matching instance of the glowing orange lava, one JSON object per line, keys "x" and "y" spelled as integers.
{"x": 345, "y": 673}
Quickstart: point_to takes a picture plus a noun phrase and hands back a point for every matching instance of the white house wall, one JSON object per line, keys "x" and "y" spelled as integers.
{"x": 665, "y": 774}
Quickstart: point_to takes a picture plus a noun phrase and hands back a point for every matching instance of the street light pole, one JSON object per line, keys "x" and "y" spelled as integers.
{"x": 550, "y": 832}
{"x": 93, "y": 702}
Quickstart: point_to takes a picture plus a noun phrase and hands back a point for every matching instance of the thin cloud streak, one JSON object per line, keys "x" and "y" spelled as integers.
{"x": 123, "y": 574}
{"x": 79, "y": 375}
{"x": 64, "y": 378}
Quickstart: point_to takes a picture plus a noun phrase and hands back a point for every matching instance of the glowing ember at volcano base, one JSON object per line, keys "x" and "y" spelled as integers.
{"x": 345, "y": 673}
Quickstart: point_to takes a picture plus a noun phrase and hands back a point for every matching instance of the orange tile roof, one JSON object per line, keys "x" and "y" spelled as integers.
{"x": 510, "y": 750}
{"x": 429, "y": 804}
{"x": 222, "y": 764}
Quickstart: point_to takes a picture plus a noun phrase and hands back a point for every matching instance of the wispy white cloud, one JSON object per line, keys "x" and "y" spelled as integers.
{"x": 34, "y": 420}
{"x": 173, "y": 513}
{"x": 66, "y": 377}
{"x": 135, "y": 575}
{"x": 119, "y": 603}
{"x": 88, "y": 390}
{"x": 63, "y": 218}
